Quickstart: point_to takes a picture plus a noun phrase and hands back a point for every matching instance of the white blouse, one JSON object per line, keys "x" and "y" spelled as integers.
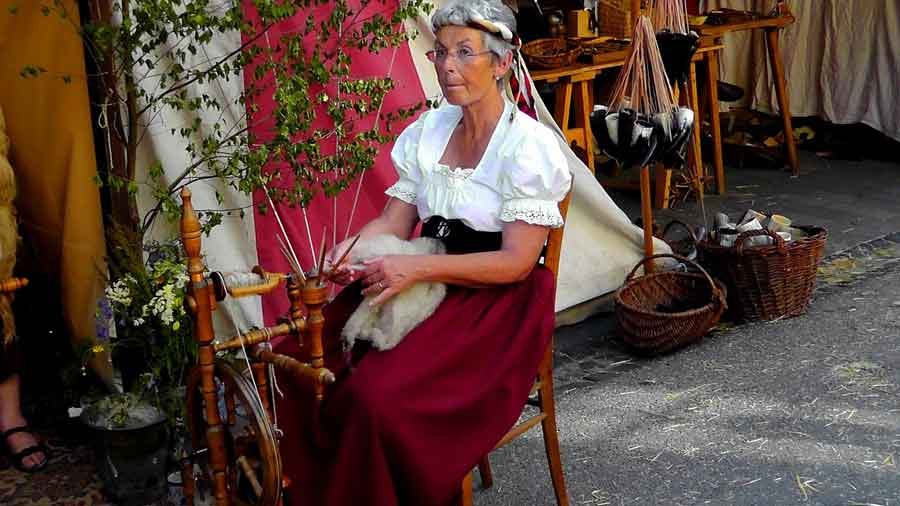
{"x": 522, "y": 175}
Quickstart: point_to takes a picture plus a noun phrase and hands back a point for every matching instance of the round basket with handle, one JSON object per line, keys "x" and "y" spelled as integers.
{"x": 664, "y": 311}
{"x": 551, "y": 53}
{"x": 767, "y": 282}
{"x": 687, "y": 246}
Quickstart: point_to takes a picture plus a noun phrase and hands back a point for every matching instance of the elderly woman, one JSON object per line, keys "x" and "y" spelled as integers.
{"x": 404, "y": 426}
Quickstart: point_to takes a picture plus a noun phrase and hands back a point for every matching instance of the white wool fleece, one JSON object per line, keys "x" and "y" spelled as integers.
{"x": 386, "y": 325}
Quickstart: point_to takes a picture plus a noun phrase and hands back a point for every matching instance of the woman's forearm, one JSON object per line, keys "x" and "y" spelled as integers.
{"x": 473, "y": 270}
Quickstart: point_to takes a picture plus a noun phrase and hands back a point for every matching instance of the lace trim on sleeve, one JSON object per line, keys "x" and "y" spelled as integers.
{"x": 533, "y": 211}
{"x": 402, "y": 191}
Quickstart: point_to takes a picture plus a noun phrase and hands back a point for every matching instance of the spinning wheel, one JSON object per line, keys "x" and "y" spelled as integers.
{"x": 252, "y": 461}
{"x": 229, "y": 412}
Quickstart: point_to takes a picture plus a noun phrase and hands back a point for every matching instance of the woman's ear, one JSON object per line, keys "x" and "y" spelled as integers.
{"x": 503, "y": 66}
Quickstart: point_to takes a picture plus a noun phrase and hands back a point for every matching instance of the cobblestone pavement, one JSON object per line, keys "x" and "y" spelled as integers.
{"x": 799, "y": 411}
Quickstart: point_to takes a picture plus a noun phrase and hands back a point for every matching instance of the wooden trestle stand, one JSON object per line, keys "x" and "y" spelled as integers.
{"x": 647, "y": 216}
{"x": 237, "y": 449}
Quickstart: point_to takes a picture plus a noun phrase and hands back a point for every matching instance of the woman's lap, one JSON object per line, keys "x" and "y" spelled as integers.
{"x": 422, "y": 414}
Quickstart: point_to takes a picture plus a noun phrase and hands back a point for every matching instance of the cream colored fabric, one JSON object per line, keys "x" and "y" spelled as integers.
{"x": 232, "y": 245}
{"x": 841, "y": 60}
{"x": 49, "y": 126}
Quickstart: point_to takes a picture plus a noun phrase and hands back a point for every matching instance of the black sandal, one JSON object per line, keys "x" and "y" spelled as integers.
{"x": 17, "y": 459}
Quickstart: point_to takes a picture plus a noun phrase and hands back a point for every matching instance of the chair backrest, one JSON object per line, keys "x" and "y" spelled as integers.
{"x": 555, "y": 238}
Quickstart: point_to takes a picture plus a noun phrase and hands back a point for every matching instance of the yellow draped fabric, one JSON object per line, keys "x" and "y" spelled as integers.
{"x": 52, "y": 150}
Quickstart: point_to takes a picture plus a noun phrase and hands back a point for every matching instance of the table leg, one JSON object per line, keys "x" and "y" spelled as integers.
{"x": 696, "y": 155}
{"x": 781, "y": 92}
{"x": 712, "y": 78}
{"x": 647, "y": 216}
{"x": 563, "y": 104}
{"x": 583, "y": 106}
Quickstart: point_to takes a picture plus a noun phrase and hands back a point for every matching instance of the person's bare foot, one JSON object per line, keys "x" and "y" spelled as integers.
{"x": 20, "y": 441}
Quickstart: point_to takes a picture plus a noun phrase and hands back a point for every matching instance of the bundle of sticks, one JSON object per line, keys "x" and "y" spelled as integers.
{"x": 677, "y": 44}
{"x": 643, "y": 121}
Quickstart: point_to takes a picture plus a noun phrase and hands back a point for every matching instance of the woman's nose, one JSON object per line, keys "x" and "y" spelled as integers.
{"x": 448, "y": 65}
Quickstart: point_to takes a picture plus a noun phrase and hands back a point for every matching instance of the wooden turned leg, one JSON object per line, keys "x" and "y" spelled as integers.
{"x": 712, "y": 78}
{"x": 466, "y": 498}
{"x": 782, "y": 94}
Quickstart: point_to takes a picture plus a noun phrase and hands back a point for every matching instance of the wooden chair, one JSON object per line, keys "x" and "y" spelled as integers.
{"x": 545, "y": 404}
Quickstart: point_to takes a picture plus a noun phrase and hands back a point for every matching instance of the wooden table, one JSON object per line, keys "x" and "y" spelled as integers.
{"x": 773, "y": 26}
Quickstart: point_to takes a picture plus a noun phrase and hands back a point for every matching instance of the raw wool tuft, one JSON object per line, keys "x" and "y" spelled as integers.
{"x": 386, "y": 325}
{"x": 9, "y": 232}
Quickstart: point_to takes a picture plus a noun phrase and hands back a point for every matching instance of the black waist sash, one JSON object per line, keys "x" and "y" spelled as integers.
{"x": 459, "y": 238}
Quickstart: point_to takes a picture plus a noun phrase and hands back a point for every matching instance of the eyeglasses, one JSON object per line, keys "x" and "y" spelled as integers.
{"x": 463, "y": 56}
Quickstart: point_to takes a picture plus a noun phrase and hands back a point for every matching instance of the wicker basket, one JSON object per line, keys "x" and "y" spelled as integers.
{"x": 551, "y": 53}
{"x": 664, "y": 311}
{"x": 767, "y": 282}
{"x": 615, "y": 19}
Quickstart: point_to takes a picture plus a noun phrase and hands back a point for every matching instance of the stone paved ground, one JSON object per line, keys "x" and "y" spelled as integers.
{"x": 800, "y": 411}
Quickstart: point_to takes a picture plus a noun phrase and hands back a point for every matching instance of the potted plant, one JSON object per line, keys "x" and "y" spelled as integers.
{"x": 144, "y": 329}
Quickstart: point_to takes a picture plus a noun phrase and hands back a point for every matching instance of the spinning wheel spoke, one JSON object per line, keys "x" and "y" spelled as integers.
{"x": 248, "y": 472}
{"x": 229, "y": 405}
{"x": 252, "y": 464}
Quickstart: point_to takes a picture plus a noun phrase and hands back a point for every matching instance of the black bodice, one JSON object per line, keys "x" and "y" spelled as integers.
{"x": 459, "y": 238}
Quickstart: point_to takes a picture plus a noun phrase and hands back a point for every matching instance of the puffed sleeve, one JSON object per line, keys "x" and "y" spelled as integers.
{"x": 534, "y": 180}
{"x": 405, "y": 158}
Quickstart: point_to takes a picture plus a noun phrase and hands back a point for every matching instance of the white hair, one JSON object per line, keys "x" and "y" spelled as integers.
{"x": 468, "y": 12}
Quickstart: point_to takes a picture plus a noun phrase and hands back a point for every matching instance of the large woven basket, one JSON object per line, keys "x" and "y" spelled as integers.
{"x": 664, "y": 311}
{"x": 767, "y": 282}
{"x": 615, "y": 19}
{"x": 551, "y": 53}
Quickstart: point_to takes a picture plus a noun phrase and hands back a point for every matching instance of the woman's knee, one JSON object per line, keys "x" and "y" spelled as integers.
{"x": 361, "y": 397}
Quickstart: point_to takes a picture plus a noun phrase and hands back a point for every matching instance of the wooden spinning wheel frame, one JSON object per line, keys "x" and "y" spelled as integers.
{"x": 229, "y": 413}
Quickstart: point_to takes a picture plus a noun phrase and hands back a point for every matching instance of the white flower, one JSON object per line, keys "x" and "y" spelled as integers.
{"x": 120, "y": 291}
{"x": 166, "y": 302}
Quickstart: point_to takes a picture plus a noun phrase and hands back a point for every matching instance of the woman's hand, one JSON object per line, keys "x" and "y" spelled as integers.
{"x": 341, "y": 274}
{"x": 388, "y": 275}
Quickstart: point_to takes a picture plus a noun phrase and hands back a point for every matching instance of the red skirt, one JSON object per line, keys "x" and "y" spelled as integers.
{"x": 404, "y": 426}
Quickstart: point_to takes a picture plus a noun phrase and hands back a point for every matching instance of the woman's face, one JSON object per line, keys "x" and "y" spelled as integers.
{"x": 467, "y": 71}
